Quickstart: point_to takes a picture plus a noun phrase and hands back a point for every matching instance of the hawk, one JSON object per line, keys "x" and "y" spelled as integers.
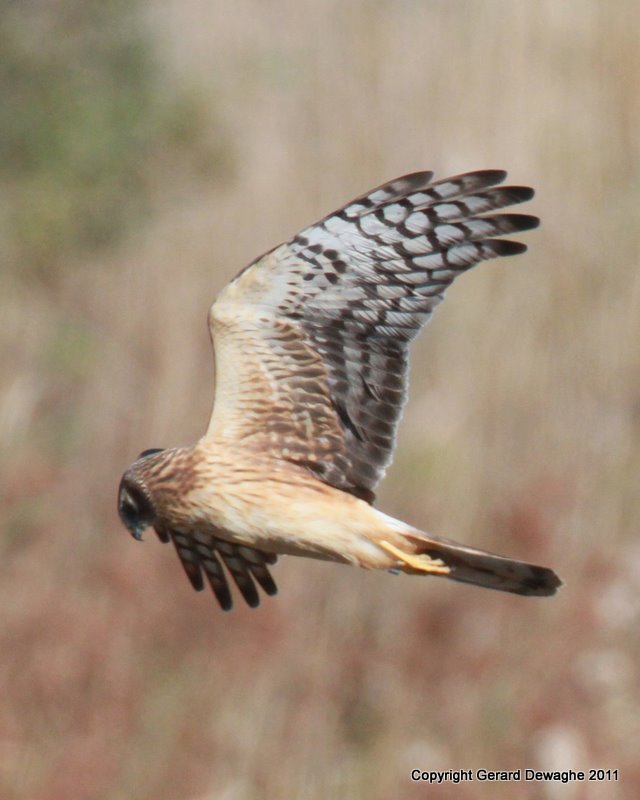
{"x": 311, "y": 349}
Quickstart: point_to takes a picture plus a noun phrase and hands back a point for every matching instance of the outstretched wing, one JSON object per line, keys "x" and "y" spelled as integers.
{"x": 201, "y": 552}
{"x": 311, "y": 340}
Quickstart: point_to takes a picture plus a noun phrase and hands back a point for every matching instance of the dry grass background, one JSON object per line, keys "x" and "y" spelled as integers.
{"x": 522, "y": 434}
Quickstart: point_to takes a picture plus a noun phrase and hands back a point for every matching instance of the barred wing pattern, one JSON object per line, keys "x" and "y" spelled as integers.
{"x": 201, "y": 552}
{"x": 311, "y": 340}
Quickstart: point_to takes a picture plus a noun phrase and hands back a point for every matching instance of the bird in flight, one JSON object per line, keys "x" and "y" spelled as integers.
{"x": 311, "y": 349}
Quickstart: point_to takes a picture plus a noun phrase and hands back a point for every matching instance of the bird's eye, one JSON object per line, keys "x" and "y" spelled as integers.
{"x": 127, "y": 506}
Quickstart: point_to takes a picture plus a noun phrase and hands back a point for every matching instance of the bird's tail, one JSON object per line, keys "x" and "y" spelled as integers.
{"x": 417, "y": 553}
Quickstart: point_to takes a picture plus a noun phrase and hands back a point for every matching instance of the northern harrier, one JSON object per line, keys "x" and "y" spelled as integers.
{"x": 311, "y": 345}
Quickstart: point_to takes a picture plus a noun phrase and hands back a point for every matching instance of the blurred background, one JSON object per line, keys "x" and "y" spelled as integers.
{"x": 148, "y": 150}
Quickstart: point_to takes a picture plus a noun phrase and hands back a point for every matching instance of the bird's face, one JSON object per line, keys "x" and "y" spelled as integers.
{"x": 135, "y": 505}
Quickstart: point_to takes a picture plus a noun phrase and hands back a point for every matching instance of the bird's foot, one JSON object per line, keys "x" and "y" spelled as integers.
{"x": 418, "y": 563}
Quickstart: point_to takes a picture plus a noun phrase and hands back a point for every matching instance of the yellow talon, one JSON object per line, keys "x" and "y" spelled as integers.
{"x": 420, "y": 563}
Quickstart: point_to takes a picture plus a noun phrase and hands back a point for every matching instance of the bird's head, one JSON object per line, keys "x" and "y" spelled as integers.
{"x": 135, "y": 504}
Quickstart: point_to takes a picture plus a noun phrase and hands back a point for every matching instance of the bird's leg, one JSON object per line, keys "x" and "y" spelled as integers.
{"x": 419, "y": 563}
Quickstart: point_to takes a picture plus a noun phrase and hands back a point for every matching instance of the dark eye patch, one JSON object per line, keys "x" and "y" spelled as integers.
{"x": 128, "y": 507}
{"x": 135, "y": 505}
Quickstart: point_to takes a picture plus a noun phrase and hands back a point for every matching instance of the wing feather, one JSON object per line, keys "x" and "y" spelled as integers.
{"x": 203, "y": 553}
{"x": 311, "y": 339}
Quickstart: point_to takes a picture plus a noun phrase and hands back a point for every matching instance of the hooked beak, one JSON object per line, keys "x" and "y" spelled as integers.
{"x": 137, "y": 532}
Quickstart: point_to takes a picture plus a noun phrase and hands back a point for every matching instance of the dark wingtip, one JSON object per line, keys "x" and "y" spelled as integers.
{"x": 248, "y": 591}
{"x": 415, "y": 180}
{"x": 194, "y": 574}
{"x": 519, "y": 194}
{"x": 521, "y": 222}
{"x": 263, "y": 577}
{"x": 505, "y": 247}
{"x": 163, "y": 535}
{"x": 490, "y": 177}
{"x": 222, "y": 593}
{"x": 475, "y": 181}
{"x": 225, "y": 605}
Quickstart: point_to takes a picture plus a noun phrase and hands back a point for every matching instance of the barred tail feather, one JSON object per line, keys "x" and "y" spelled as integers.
{"x": 449, "y": 559}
